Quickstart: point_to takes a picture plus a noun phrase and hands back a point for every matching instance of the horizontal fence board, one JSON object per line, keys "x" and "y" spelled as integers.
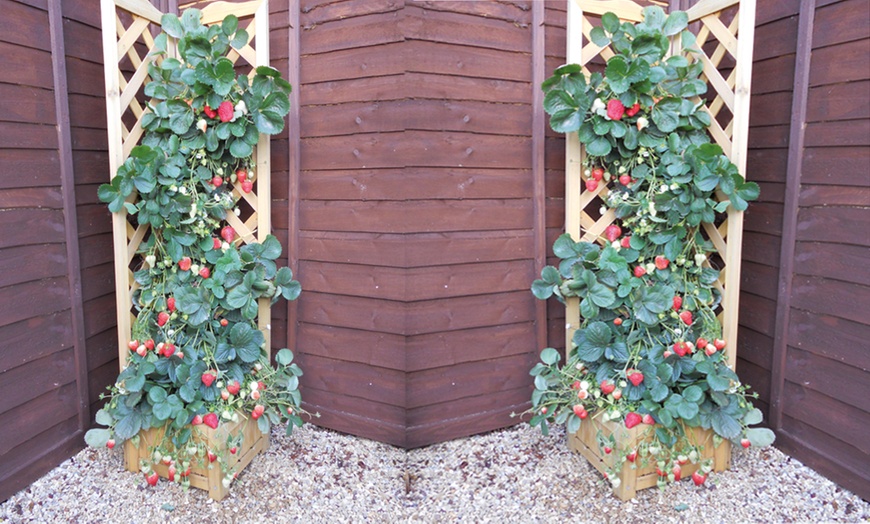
{"x": 380, "y": 316}
{"x": 19, "y": 264}
{"x": 415, "y": 183}
{"x": 762, "y": 248}
{"x": 30, "y": 168}
{"x": 468, "y": 379}
{"x": 355, "y": 90}
{"x": 462, "y": 88}
{"x": 772, "y": 75}
{"x": 770, "y": 109}
{"x": 832, "y": 297}
{"x": 316, "y": 12}
{"x": 26, "y": 104}
{"x": 456, "y": 347}
{"x": 756, "y": 347}
{"x": 393, "y": 416}
{"x": 415, "y": 217}
{"x": 775, "y": 39}
{"x": 452, "y": 314}
{"x": 352, "y": 63}
{"x": 826, "y": 224}
{"x": 31, "y": 197}
{"x": 463, "y": 426}
{"x": 827, "y": 414}
{"x": 761, "y": 279}
{"x": 835, "y": 165}
{"x": 515, "y": 12}
{"x": 355, "y": 424}
{"x": 37, "y": 337}
{"x": 763, "y": 317}
{"x": 24, "y": 25}
{"x": 818, "y": 195}
{"x": 467, "y": 61}
{"x": 97, "y": 281}
{"x": 100, "y": 315}
{"x": 442, "y": 412}
{"x": 839, "y": 63}
{"x": 768, "y": 165}
{"x": 457, "y": 248}
{"x": 23, "y": 135}
{"x": 79, "y": 41}
{"x": 831, "y": 337}
{"x": 815, "y": 376}
{"x": 763, "y": 217}
{"x": 419, "y": 114}
{"x": 39, "y": 455}
{"x": 841, "y": 133}
{"x": 26, "y": 382}
{"x": 840, "y": 22}
{"x": 848, "y": 101}
{"x": 102, "y": 349}
{"x": 472, "y": 31}
{"x": 20, "y": 424}
{"x": 95, "y": 249}
{"x": 25, "y": 66}
{"x": 831, "y": 457}
{"x": 835, "y": 261}
{"x": 353, "y": 379}
{"x": 33, "y": 299}
{"x": 384, "y": 350}
{"x": 356, "y": 32}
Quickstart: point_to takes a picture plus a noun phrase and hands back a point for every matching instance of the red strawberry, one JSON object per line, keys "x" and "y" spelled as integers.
{"x": 215, "y": 243}
{"x": 632, "y": 419}
{"x": 162, "y": 318}
{"x": 625, "y": 180}
{"x": 233, "y": 450}
{"x": 241, "y": 174}
{"x": 677, "y": 471}
{"x": 247, "y": 186}
{"x": 209, "y": 112}
{"x": 591, "y": 184}
{"x": 544, "y": 410}
{"x": 168, "y": 350}
{"x": 631, "y": 457}
{"x": 205, "y": 272}
{"x": 719, "y": 343}
{"x": 662, "y": 262}
{"x": 217, "y": 181}
{"x": 211, "y": 456}
{"x": 133, "y": 344}
{"x": 225, "y": 111}
{"x": 110, "y": 443}
{"x": 579, "y": 410}
{"x": 171, "y": 473}
{"x": 701, "y": 342}
{"x": 613, "y": 232}
{"x": 686, "y": 317}
{"x": 258, "y": 411}
{"x": 208, "y": 379}
{"x": 225, "y": 322}
{"x": 710, "y": 350}
{"x": 745, "y": 443}
{"x": 680, "y": 348}
{"x": 598, "y": 173}
{"x": 639, "y": 271}
{"x": 648, "y": 419}
{"x": 210, "y": 420}
{"x": 633, "y": 110}
{"x": 636, "y": 378}
{"x": 197, "y": 420}
{"x": 615, "y": 109}
{"x": 678, "y": 302}
{"x": 225, "y": 395}
{"x": 152, "y": 478}
{"x": 625, "y": 242}
{"x": 607, "y": 449}
{"x": 607, "y": 387}
{"x": 228, "y": 233}
{"x": 234, "y": 387}
{"x": 184, "y": 264}
{"x": 186, "y": 473}
{"x": 617, "y": 394}
{"x": 170, "y": 304}
{"x": 617, "y": 321}
{"x": 149, "y": 344}
{"x": 255, "y": 395}
{"x": 698, "y": 479}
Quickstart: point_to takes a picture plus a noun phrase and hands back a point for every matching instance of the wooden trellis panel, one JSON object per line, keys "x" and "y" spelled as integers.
{"x": 128, "y": 29}
{"x": 725, "y": 30}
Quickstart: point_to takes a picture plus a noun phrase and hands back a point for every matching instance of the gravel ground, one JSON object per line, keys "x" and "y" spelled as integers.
{"x": 512, "y": 475}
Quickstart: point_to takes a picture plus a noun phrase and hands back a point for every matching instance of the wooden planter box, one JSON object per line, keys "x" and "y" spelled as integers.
{"x": 203, "y": 477}
{"x": 585, "y": 441}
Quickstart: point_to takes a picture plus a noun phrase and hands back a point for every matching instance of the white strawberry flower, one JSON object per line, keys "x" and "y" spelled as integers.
{"x": 616, "y": 245}
{"x": 202, "y": 125}
{"x": 700, "y": 258}
{"x": 225, "y": 245}
{"x": 584, "y": 385}
{"x": 241, "y": 107}
{"x": 641, "y": 123}
{"x": 237, "y": 211}
{"x": 150, "y": 260}
{"x": 598, "y": 105}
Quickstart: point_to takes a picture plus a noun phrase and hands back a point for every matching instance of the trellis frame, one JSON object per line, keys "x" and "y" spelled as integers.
{"x": 731, "y": 93}
{"x": 128, "y": 28}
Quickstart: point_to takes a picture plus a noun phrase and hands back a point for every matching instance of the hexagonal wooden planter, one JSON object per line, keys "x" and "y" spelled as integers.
{"x": 634, "y": 476}
{"x": 209, "y": 477}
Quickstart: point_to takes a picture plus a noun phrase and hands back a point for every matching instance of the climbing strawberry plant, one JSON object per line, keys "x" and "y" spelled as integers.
{"x": 649, "y": 349}
{"x": 197, "y": 355}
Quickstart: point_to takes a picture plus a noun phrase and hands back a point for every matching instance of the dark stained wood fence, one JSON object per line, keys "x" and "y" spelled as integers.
{"x": 417, "y": 193}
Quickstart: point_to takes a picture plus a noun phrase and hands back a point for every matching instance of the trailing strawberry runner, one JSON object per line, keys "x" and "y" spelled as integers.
{"x": 648, "y": 356}
{"x": 198, "y": 391}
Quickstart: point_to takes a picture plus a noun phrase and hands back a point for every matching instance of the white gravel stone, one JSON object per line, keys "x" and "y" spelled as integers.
{"x": 512, "y": 475}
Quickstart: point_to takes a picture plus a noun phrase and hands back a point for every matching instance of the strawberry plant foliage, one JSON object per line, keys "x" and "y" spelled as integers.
{"x": 649, "y": 345}
{"x": 197, "y": 356}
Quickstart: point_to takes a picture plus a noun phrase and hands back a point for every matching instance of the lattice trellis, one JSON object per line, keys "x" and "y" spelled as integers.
{"x": 724, "y": 43}
{"x": 128, "y": 29}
